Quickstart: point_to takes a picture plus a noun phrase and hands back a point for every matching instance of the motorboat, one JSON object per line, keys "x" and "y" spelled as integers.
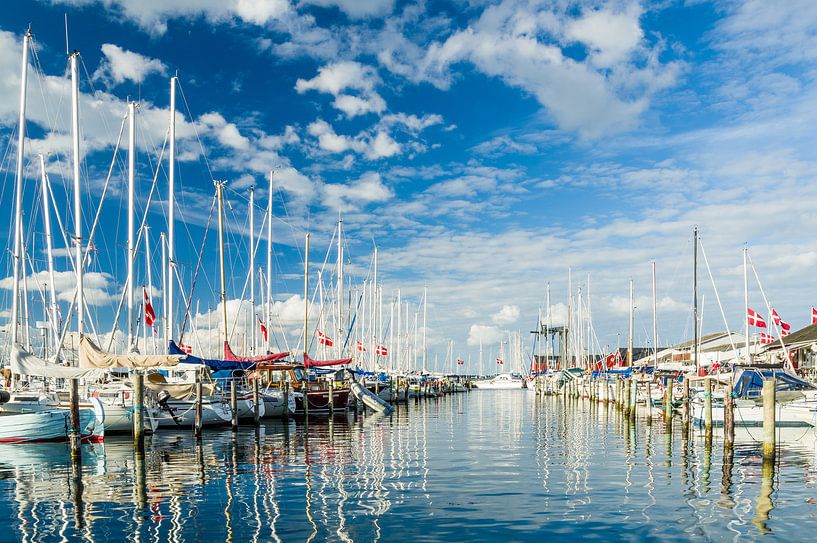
{"x": 503, "y": 381}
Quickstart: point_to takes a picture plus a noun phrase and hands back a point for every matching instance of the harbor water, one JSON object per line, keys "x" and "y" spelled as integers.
{"x": 478, "y": 466}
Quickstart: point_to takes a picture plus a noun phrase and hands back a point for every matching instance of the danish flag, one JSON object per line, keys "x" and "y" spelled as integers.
{"x": 150, "y": 315}
{"x": 765, "y": 339}
{"x": 460, "y": 361}
{"x": 754, "y": 319}
{"x": 780, "y": 322}
{"x": 382, "y": 351}
{"x": 263, "y": 328}
{"x": 499, "y": 361}
{"x": 360, "y": 346}
{"x": 323, "y": 339}
{"x": 186, "y": 348}
{"x": 813, "y": 315}
{"x": 784, "y": 332}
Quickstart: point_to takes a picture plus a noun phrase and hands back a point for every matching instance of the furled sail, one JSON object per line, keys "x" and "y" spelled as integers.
{"x": 91, "y": 356}
{"x": 26, "y": 363}
{"x": 264, "y": 358}
{"x": 310, "y": 363}
{"x": 212, "y": 363}
{"x": 178, "y": 391}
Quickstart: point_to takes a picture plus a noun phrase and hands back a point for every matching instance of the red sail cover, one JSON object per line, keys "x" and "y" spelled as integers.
{"x": 309, "y": 363}
{"x": 232, "y": 357}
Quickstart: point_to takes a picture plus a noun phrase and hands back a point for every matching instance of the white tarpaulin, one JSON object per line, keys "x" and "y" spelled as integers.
{"x": 25, "y": 363}
{"x": 91, "y": 356}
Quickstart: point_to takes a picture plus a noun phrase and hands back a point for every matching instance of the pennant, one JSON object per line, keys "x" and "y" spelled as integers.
{"x": 323, "y": 339}
{"x": 754, "y": 319}
{"x": 360, "y": 346}
{"x": 150, "y": 315}
{"x": 263, "y": 328}
{"x": 382, "y": 351}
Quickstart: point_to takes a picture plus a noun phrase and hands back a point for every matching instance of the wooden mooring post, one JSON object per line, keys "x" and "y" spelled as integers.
{"x": 256, "y": 406}
{"x": 668, "y": 401}
{"x": 197, "y": 422}
{"x": 234, "y": 405}
{"x": 331, "y": 396}
{"x": 728, "y": 419}
{"x": 685, "y": 413}
{"x": 74, "y": 431}
{"x": 138, "y": 410}
{"x": 708, "y": 408}
{"x": 285, "y": 386}
{"x": 769, "y": 396}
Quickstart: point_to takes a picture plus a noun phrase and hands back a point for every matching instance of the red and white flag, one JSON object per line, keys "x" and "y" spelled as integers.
{"x": 382, "y": 351}
{"x": 813, "y": 315}
{"x": 323, "y": 339}
{"x": 765, "y": 339}
{"x": 775, "y": 316}
{"x": 460, "y": 361}
{"x": 500, "y": 361}
{"x": 150, "y": 315}
{"x": 784, "y": 332}
{"x": 754, "y": 319}
{"x": 263, "y": 328}
{"x": 186, "y": 348}
{"x": 784, "y": 325}
{"x": 360, "y": 346}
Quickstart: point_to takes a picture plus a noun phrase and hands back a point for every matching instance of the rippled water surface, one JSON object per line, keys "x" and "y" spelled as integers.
{"x": 481, "y": 466}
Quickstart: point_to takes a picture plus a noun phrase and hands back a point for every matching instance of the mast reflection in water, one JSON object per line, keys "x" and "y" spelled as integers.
{"x": 480, "y": 466}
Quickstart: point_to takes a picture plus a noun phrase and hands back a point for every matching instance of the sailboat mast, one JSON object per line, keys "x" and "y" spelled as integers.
{"x": 425, "y": 314}
{"x": 547, "y": 328}
{"x": 171, "y": 215}
{"x": 306, "y": 290}
{"x": 630, "y": 333}
{"x": 398, "y": 352}
{"x": 269, "y": 263}
{"x": 341, "y": 334}
{"x": 49, "y": 248}
{"x": 695, "y": 296}
{"x": 149, "y": 297}
{"x": 79, "y": 260}
{"x": 654, "y": 317}
{"x": 131, "y": 283}
{"x": 253, "y": 324}
{"x": 18, "y": 191}
{"x": 748, "y": 355}
{"x": 223, "y": 293}
{"x": 373, "y": 319}
{"x": 163, "y": 242}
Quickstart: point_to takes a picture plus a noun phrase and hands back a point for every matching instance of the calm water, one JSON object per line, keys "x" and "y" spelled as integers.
{"x": 484, "y": 466}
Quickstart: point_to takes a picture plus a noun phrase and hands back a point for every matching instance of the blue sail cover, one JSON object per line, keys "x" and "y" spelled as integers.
{"x": 750, "y": 382}
{"x": 213, "y": 364}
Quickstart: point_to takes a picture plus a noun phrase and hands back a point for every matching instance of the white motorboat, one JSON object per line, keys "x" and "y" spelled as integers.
{"x": 51, "y": 425}
{"x": 503, "y": 381}
{"x": 274, "y": 403}
{"x": 176, "y": 413}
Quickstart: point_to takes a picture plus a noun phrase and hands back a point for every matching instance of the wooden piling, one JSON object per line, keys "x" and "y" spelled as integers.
{"x": 74, "y": 431}
{"x": 285, "y": 386}
{"x": 685, "y": 413}
{"x": 669, "y": 398}
{"x": 633, "y": 398}
{"x": 234, "y": 404}
{"x": 728, "y": 419}
{"x": 256, "y": 406}
{"x": 628, "y": 383}
{"x": 331, "y": 396}
{"x": 304, "y": 389}
{"x": 708, "y": 407}
{"x": 138, "y": 410}
{"x": 649, "y": 401}
{"x": 197, "y": 423}
{"x": 769, "y": 398}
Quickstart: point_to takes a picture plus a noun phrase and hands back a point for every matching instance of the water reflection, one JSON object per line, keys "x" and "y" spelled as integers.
{"x": 482, "y": 466}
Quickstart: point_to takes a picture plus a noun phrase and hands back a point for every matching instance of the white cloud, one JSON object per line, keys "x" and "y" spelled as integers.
{"x": 369, "y": 188}
{"x": 503, "y": 145}
{"x": 484, "y": 334}
{"x": 338, "y": 77}
{"x": 120, "y": 65}
{"x": 372, "y": 146}
{"x": 97, "y": 286}
{"x": 509, "y": 314}
{"x": 610, "y": 35}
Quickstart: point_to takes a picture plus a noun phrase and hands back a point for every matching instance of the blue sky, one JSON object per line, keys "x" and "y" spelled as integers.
{"x": 485, "y": 146}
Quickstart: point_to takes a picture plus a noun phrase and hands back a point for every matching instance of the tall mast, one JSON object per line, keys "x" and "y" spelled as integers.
{"x": 341, "y": 334}
{"x": 399, "y": 331}
{"x": 163, "y": 242}
{"x": 630, "y": 333}
{"x": 547, "y": 328}
{"x": 150, "y": 285}
{"x": 253, "y": 324}
{"x": 695, "y": 296}
{"x": 567, "y": 335}
{"x": 79, "y": 260}
{"x": 425, "y": 314}
{"x": 269, "y": 263}
{"x": 49, "y": 247}
{"x": 223, "y": 293}
{"x": 306, "y": 291}
{"x": 748, "y": 355}
{"x": 392, "y": 351}
{"x": 18, "y": 191}
{"x": 373, "y": 316}
{"x": 654, "y": 317}
{"x": 131, "y": 196}
{"x": 171, "y": 215}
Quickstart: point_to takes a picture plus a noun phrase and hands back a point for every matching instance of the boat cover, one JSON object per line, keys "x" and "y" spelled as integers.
{"x": 91, "y": 356}
{"x": 212, "y": 363}
{"x": 309, "y": 363}
{"x": 230, "y": 356}
{"x": 26, "y": 363}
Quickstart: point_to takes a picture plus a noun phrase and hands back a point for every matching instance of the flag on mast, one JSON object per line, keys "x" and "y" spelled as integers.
{"x": 263, "y": 328}
{"x": 150, "y": 314}
{"x": 323, "y": 339}
{"x": 754, "y": 318}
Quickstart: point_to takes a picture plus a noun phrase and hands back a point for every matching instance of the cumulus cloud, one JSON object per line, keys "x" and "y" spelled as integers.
{"x": 509, "y": 314}
{"x": 367, "y": 189}
{"x": 120, "y": 65}
{"x": 484, "y": 334}
{"x": 339, "y": 77}
{"x": 372, "y": 146}
{"x": 97, "y": 286}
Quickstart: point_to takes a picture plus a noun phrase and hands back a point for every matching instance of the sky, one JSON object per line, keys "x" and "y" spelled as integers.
{"x": 486, "y": 148}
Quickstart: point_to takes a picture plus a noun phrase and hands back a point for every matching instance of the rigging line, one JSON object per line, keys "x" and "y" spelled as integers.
{"x": 717, "y": 296}
{"x": 196, "y": 273}
{"x": 769, "y": 308}
{"x": 196, "y": 130}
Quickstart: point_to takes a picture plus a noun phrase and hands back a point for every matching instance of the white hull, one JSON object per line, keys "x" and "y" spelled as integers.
{"x": 274, "y": 404}
{"x": 370, "y": 399}
{"x": 50, "y": 425}
{"x": 182, "y": 414}
{"x": 748, "y": 414}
